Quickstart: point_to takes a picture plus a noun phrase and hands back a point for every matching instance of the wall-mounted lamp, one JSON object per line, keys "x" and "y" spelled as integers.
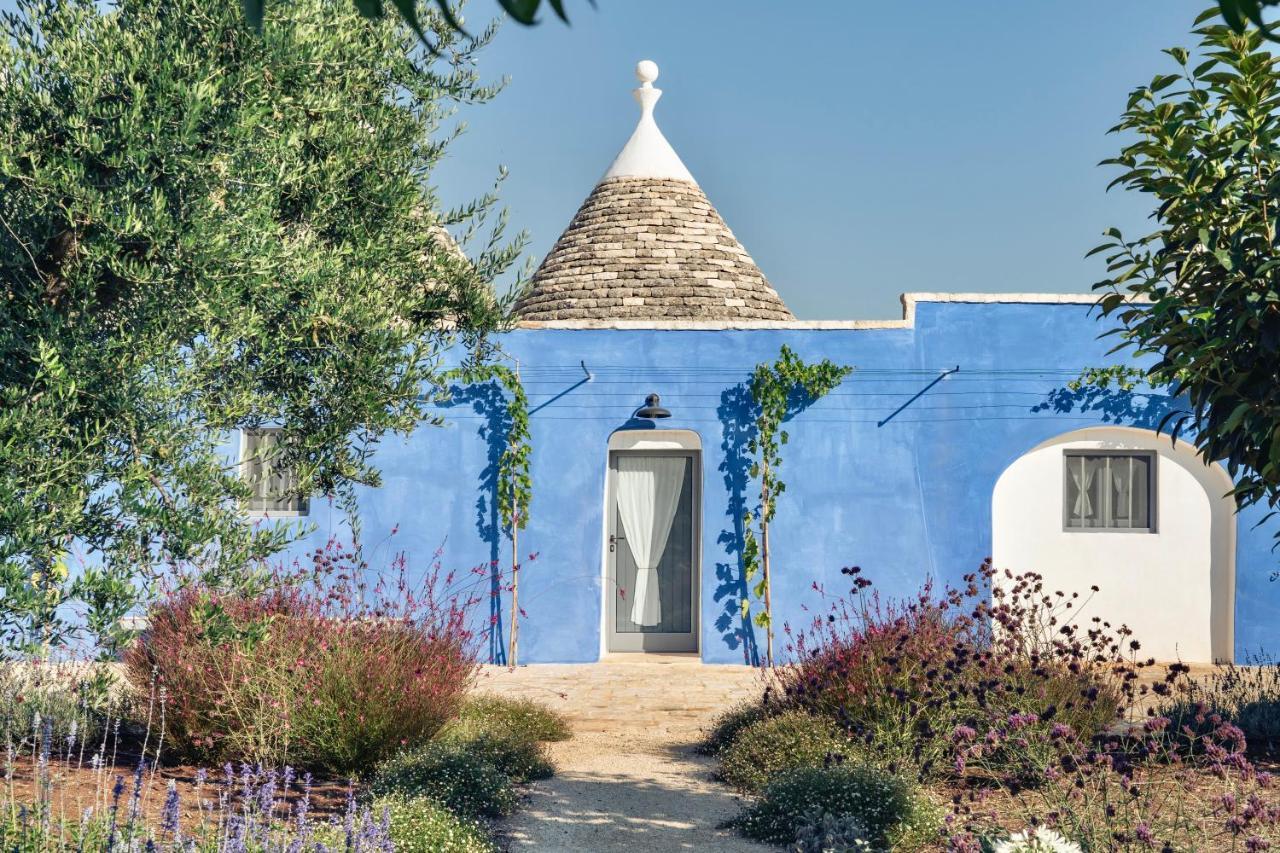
{"x": 652, "y": 409}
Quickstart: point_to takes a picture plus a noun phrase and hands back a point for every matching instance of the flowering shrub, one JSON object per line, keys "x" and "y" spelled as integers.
{"x": 69, "y": 697}
{"x": 1023, "y": 710}
{"x": 879, "y": 801}
{"x": 450, "y": 774}
{"x": 520, "y": 759}
{"x": 523, "y": 719}
{"x": 790, "y": 740}
{"x": 911, "y": 679}
{"x": 321, "y": 670}
{"x": 244, "y": 809}
{"x": 423, "y": 826}
{"x": 1248, "y": 696}
{"x": 724, "y": 731}
{"x": 1141, "y": 789}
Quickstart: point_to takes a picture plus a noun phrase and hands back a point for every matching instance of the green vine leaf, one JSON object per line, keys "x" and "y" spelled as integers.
{"x": 779, "y": 390}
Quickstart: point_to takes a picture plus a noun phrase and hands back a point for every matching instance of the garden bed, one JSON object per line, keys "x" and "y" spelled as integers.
{"x": 317, "y": 709}
{"x": 78, "y": 786}
{"x": 961, "y": 720}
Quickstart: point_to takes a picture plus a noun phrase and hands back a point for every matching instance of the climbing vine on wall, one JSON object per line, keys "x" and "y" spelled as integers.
{"x": 779, "y": 390}
{"x": 514, "y": 485}
{"x": 1123, "y": 377}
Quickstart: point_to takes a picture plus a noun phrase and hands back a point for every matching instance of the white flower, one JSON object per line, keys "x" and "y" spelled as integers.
{"x": 1042, "y": 840}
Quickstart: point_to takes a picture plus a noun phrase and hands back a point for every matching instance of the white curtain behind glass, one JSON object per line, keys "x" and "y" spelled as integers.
{"x": 648, "y": 493}
{"x": 1082, "y": 474}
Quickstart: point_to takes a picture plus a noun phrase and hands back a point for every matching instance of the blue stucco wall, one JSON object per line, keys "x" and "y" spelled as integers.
{"x": 906, "y": 499}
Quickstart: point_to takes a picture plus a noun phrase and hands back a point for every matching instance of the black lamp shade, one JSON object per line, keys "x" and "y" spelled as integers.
{"x": 652, "y": 408}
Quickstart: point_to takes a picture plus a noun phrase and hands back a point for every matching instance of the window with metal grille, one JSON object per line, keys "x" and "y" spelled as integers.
{"x": 1109, "y": 490}
{"x": 274, "y": 486}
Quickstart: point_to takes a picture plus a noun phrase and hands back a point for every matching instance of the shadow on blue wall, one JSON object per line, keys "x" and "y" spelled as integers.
{"x": 737, "y": 427}
{"x": 737, "y": 413}
{"x": 1145, "y": 409}
{"x": 489, "y": 401}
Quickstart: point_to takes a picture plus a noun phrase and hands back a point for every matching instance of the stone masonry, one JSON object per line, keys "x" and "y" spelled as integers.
{"x": 649, "y": 248}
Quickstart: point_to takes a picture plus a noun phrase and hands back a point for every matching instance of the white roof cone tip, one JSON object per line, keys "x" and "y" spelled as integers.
{"x": 647, "y": 153}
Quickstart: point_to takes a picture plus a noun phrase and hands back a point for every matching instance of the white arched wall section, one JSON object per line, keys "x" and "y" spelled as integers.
{"x": 1175, "y": 586}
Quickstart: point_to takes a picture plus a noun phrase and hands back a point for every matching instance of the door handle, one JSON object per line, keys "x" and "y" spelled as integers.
{"x": 613, "y": 541}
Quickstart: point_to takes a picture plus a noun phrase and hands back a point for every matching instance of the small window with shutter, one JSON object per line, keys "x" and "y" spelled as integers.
{"x": 1107, "y": 490}
{"x": 274, "y": 486}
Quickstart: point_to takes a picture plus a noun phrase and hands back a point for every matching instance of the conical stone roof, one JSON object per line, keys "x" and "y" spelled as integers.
{"x": 648, "y": 245}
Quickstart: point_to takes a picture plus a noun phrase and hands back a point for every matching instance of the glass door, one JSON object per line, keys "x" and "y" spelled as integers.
{"x": 652, "y": 551}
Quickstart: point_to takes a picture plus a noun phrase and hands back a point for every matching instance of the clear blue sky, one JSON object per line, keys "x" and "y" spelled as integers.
{"x": 858, "y": 149}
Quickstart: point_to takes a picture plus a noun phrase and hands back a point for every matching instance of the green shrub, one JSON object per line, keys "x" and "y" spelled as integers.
{"x": 922, "y": 828}
{"x": 508, "y": 733}
{"x": 59, "y": 701}
{"x": 785, "y": 742}
{"x": 1260, "y": 721}
{"x": 451, "y": 774}
{"x": 521, "y": 760}
{"x": 879, "y": 801}
{"x": 484, "y": 713}
{"x": 421, "y": 825}
{"x": 724, "y": 730}
{"x": 1246, "y": 695}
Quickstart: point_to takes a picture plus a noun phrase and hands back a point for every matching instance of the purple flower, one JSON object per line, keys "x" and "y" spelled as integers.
{"x": 1019, "y": 721}
{"x": 1061, "y": 731}
{"x": 267, "y": 795}
{"x": 169, "y": 814}
{"x": 135, "y": 796}
{"x": 1156, "y": 724}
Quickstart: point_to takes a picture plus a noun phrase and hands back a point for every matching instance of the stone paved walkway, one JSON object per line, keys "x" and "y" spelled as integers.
{"x": 629, "y": 779}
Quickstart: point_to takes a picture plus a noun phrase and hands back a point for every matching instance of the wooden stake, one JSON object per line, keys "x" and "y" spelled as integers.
{"x": 764, "y": 564}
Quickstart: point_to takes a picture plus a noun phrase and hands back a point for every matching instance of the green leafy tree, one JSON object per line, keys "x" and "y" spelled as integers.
{"x": 1201, "y": 293}
{"x": 521, "y": 11}
{"x": 204, "y": 229}
{"x": 779, "y": 391}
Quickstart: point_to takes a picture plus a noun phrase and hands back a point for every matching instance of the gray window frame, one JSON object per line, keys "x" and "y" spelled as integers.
{"x": 297, "y": 506}
{"x": 1152, "y": 505}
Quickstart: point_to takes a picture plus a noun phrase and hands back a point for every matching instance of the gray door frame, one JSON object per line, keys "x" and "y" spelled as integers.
{"x": 652, "y": 641}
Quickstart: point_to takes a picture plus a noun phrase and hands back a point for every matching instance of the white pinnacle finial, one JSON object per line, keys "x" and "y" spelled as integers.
{"x": 646, "y": 72}
{"x": 647, "y": 153}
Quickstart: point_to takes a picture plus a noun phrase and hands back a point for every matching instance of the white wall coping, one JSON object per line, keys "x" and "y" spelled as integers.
{"x": 908, "y": 320}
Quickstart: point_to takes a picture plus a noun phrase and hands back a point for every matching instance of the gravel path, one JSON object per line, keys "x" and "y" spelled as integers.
{"x": 627, "y": 794}
{"x": 629, "y": 779}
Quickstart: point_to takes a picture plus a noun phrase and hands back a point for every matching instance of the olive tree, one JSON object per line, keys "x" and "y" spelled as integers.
{"x": 204, "y": 229}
